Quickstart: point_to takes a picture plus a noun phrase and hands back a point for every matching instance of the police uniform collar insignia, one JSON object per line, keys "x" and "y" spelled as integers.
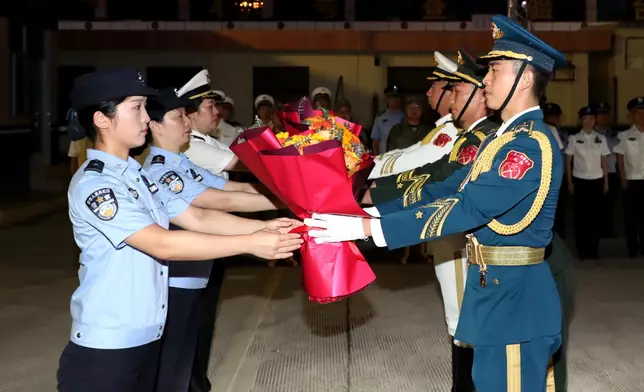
{"x": 133, "y": 192}
{"x": 597, "y": 139}
{"x": 103, "y": 204}
{"x": 158, "y": 159}
{"x": 172, "y": 180}
{"x": 95, "y": 165}
{"x": 196, "y": 176}
{"x": 152, "y": 187}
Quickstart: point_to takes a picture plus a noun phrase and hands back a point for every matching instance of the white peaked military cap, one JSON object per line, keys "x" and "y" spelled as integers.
{"x": 444, "y": 68}
{"x": 220, "y": 93}
{"x": 320, "y": 91}
{"x": 445, "y": 64}
{"x": 197, "y": 87}
{"x": 229, "y": 101}
{"x": 263, "y": 99}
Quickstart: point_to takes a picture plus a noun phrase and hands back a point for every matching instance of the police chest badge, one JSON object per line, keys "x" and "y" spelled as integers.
{"x": 133, "y": 192}
{"x": 103, "y": 204}
{"x": 152, "y": 187}
{"x": 442, "y": 139}
{"x": 515, "y": 165}
{"x": 172, "y": 181}
{"x": 467, "y": 155}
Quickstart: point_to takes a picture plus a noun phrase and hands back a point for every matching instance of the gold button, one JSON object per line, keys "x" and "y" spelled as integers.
{"x": 495, "y": 281}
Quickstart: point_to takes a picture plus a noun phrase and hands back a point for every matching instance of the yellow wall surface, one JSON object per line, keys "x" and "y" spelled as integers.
{"x": 233, "y": 74}
{"x": 628, "y": 67}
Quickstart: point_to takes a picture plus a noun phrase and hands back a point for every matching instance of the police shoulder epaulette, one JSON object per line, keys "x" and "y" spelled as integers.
{"x": 95, "y": 165}
{"x": 158, "y": 159}
{"x": 198, "y": 137}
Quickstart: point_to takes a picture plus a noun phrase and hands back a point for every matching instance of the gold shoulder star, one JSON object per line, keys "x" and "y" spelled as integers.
{"x": 399, "y": 186}
{"x": 419, "y": 215}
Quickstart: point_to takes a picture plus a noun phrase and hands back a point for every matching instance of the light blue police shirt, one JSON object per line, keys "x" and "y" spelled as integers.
{"x": 122, "y": 298}
{"x": 187, "y": 181}
{"x": 382, "y": 126}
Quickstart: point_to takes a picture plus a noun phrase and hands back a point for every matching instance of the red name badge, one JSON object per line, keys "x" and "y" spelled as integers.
{"x": 515, "y": 165}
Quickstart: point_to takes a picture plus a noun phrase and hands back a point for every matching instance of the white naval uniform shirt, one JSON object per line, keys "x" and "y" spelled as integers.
{"x": 555, "y": 133}
{"x": 419, "y": 154}
{"x": 631, "y": 145}
{"x": 209, "y": 153}
{"x": 587, "y": 150}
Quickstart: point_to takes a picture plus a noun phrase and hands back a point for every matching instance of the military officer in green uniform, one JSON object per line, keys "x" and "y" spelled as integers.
{"x": 511, "y": 311}
{"x": 411, "y": 129}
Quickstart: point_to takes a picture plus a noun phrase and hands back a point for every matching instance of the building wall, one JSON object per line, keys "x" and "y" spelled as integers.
{"x": 233, "y": 73}
{"x": 5, "y": 70}
{"x": 628, "y": 66}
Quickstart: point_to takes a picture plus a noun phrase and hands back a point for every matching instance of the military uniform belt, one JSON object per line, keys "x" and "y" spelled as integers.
{"x": 509, "y": 256}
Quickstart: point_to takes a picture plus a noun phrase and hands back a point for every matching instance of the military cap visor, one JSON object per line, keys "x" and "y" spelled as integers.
{"x": 167, "y": 101}
{"x": 513, "y": 42}
{"x": 586, "y": 111}
{"x": 97, "y": 87}
{"x": 635, "y": 103}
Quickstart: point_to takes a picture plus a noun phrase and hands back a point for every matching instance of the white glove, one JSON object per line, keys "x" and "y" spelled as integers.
{"x": 339, "y": 228}
{"x": 373, "y": 211}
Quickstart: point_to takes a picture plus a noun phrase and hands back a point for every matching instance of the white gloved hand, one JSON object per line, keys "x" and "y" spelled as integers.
{"x": 339, "y": 228}
{"x": 373, "y": 211}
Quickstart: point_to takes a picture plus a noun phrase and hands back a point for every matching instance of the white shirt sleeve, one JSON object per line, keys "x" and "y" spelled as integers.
{"x": 213, "y": 158}
{"x": 377, "y": 234}
{"x": 619, "y": 147}
{"x": 570, "y": 150}
{"x": 73, "y": 150}
{"x": 605, "y": 149}
{"x": 555, "y": 133}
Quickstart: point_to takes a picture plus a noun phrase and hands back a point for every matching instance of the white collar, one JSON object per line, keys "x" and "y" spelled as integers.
{"x": 511, "y": 120}
{"x": 444, "y": 119}
{"x": 199, "y": 134}
{"x": 476, "y": 123}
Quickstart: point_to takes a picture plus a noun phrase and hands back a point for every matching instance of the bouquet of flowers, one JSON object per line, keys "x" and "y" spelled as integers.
{"x": 318, "y": 165}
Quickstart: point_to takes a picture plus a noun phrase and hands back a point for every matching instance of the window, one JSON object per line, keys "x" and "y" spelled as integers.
{"x": 285, "y": 84}
{"x": 169, "y": 77}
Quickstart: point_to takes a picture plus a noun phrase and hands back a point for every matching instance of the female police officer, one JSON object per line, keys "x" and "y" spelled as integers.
{"x": 169, "y": 131}
{"x": 120, "y": 219}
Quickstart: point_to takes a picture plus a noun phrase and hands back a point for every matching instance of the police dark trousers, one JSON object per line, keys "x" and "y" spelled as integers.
{"x": 587, "y": 210}
{"x": 608, "y": 205}
{"x": 83, "y": 369}
{"x": 560, "y": 261}
{"x": 462, "y": 361}
{"x": 182, "y": 326}
{"x": 179, "y": 340}
{"x": 209, "y": 299}
{"x": 634, "y": 207}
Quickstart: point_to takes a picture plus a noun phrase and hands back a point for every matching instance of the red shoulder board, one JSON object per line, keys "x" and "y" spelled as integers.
{"x": 467, "y": 155}
{"x": 515, "y": 165}
{"x": 442, "y": 139}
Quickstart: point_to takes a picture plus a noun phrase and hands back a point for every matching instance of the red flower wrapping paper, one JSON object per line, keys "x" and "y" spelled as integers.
{"x": 314, "y": 181}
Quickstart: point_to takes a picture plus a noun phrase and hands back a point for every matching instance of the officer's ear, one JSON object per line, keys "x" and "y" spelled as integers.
{"x": 480, "y": 96}
{"x": 527, "y": 79}
{"x": 155, "y": 127}
{"x": 101, "y": 121}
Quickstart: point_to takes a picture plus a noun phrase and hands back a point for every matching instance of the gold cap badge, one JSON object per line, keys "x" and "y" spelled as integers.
{"x": 496, "y": 33}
